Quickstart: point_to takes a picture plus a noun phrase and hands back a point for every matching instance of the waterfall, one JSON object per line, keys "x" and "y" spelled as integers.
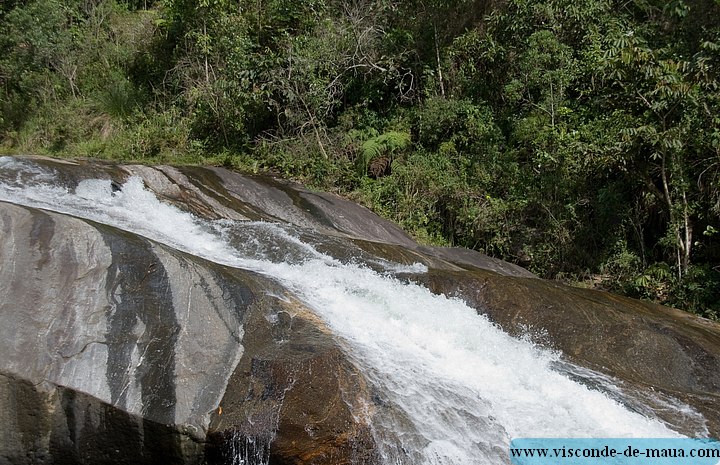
{"x": 451, "y": 387}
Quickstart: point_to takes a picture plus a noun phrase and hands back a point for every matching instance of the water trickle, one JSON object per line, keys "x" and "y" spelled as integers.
{"x": 244, "y": 450}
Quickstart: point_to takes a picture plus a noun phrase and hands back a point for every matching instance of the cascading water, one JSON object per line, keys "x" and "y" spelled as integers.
{"x": 452, "y": 388}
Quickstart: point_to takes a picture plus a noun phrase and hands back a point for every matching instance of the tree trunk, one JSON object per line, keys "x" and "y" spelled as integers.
{"x": 437, "y": 58}
{"x": 679, "y": 221}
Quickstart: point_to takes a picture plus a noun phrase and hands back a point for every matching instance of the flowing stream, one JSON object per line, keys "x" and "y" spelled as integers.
{"x": 456, "y": 387}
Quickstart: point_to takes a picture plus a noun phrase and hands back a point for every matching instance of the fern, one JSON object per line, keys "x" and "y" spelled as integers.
{"x": 385, "y": 144}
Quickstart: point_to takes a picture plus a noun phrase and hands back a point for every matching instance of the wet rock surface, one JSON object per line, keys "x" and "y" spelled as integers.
{"x": 117, "y": 349}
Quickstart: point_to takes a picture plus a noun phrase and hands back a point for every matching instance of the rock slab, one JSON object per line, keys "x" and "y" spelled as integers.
{"x": 117, "y": 349}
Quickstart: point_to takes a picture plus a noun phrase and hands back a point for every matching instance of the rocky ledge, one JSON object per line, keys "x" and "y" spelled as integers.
{"x": 118, "y": 349}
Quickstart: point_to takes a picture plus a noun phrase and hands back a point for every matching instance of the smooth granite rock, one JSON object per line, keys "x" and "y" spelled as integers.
{"x": 117, "y": 349}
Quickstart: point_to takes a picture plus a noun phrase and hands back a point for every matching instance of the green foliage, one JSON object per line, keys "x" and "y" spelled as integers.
{"x": 468, "y": 126}
{"x": 380, "y": 148}
{"x": 119, "y": 99}
{"x": 35, "y": 60}
{"x": 698, "y": 290}
{"x": 421, "y": 186}
{"x": 578, "y": 138}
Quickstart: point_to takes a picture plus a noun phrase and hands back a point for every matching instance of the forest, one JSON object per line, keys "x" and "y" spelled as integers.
{"x": 579, "y": 139}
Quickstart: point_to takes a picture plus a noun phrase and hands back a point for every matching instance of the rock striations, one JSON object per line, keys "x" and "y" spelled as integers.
{"x": 120, "y": 350}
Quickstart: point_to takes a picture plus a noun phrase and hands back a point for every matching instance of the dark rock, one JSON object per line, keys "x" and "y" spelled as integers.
{"x": 296, "y": 389}
{"x": 58, "y": 425}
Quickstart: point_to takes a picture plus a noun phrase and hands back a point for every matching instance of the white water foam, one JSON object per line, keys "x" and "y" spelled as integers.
{"x": 451, "y": 387}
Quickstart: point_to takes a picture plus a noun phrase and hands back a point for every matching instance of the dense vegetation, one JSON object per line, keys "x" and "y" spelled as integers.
{"x": 578, "y": 138}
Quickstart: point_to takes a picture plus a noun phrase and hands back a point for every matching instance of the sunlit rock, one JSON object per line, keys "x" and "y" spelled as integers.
{"x": 117, "y": 349}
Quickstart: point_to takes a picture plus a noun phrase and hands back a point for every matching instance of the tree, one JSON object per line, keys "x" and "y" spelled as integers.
{"x": 668, "y": 100}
